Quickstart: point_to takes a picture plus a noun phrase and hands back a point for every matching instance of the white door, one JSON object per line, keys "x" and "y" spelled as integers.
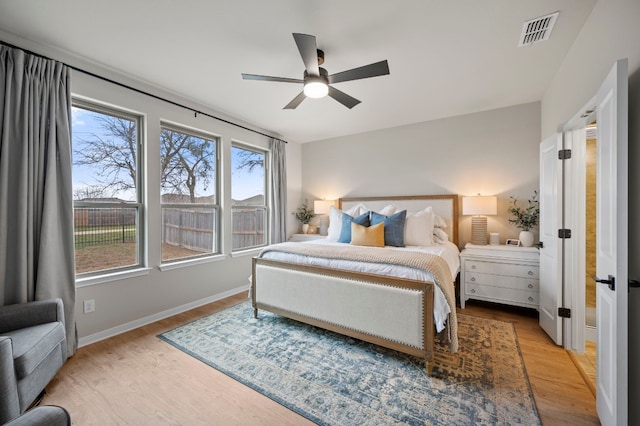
{"x": 551, "y": 250}
{"x": 611, "y": 247}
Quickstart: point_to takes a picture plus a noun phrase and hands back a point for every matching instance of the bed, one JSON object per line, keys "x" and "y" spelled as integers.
{"x": 395, "y": 297}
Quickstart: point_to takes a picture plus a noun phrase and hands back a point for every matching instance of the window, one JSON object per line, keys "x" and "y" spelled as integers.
{"x": 248, "y": 189}
{"x": 189, "y": 180}
{"x": 107, "y": 189}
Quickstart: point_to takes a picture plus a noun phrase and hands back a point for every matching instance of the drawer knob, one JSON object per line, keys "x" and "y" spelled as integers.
{"x": 530, "y": 299}
{"x": 473, "y": 290}
{"x": 473, "y": 279}
{"x": 530, "y": 272}
{"x": 530, "y": 285}
{"x": 473, "y": 266}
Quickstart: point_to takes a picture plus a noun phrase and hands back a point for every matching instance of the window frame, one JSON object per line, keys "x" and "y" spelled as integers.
{"x": 215, "y": 207}
{"x": 139, "y": 205}
{"x": 264, "y": 207}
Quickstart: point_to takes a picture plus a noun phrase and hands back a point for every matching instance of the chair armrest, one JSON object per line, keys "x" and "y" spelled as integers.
{"x": 22, "y": 315}
{"x": 45, "y": 415}
{"x": 9, "y": 402}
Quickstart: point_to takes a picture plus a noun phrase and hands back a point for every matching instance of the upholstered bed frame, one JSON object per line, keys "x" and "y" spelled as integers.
{"x": 351, "y": 303}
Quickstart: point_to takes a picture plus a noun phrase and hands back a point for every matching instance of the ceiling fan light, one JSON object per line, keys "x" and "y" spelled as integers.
{"x": 316, "y": 89}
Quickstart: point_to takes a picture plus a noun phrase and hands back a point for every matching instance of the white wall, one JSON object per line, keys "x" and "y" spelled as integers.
{"x": 493, "y": 153}
{"x": 611, "y": 33}
{"x": 124, "y": 303}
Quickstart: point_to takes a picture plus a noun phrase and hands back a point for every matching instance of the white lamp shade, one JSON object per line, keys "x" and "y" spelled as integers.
{"x": 480, "y": 205}
{"x": 322, "y": 206}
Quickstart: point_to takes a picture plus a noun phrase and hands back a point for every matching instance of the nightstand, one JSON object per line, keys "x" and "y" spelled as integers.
{"x": 297, "y": 238}
{"x": 502, "y": 274}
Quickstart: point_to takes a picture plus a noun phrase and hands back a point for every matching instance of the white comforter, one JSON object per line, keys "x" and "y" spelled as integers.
{"x": 448, "y": 251}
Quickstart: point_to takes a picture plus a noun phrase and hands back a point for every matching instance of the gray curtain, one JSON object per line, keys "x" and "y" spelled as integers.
{"x": 278, "y": 191}
{"x": 36, "y": 203}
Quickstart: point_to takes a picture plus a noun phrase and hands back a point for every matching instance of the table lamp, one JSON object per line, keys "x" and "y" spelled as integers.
{"x": 479, "y": 207}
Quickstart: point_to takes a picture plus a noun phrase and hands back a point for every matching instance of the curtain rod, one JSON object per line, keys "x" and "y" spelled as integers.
{"x": 117, "y": 83}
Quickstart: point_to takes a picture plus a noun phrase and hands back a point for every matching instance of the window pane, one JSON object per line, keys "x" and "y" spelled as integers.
{"x": 105, "y": 238}
{"x": 104, "y": 156}
{"x": 105, "y": 189}
{"x": 249, "y": 224}
{"x": 247, "y": 177}
{"x": 248, "y": 188}
{"x": 187, "y": 232}
{"x": 189, "y": 196}
{"x": 188, "y": 168}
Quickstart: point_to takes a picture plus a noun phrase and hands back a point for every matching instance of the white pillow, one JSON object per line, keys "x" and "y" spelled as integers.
{"x": 388, "y": 210}
{"x": 439, "y": 222}
{"x": 439, "y": 236}
{"x": 418, "y": 228}
{"x": 335, "y": 219}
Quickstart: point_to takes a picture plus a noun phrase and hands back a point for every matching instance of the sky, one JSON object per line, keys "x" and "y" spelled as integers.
{"x": 84, "y": 125}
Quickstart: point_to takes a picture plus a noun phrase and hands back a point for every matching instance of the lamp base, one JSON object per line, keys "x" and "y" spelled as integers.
{"x": 479, "y": 230}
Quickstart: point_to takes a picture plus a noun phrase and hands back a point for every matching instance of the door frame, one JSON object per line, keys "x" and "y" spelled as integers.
{"x": 574, "y": 138}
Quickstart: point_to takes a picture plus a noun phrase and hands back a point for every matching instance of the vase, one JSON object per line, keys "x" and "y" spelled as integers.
{"x": 526, "y": 238}
{"x": 305, "y": 228}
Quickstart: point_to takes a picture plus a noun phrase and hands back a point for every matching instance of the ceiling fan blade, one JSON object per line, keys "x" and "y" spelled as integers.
{"x": 371, "y": 70}
{"x": 295, "y": 102}
{"x": 309, "y": 52}
{"x": 267, "y": 78}
{"x": 343, "y": 98}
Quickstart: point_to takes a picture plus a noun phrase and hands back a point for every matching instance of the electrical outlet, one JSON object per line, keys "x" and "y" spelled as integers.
{"x": 89, "y": 305}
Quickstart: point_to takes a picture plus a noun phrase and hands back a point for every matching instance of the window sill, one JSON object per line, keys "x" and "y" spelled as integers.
{"x": 190, "y": 262}
{"x": 114, "y": 276}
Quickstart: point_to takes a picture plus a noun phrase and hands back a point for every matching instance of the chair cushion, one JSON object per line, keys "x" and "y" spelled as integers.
{"x": 32, "y": 344}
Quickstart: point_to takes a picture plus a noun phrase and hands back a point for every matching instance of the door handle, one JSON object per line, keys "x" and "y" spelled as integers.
{"x": 634, "y": 284}
{"x": 610, "y": 281}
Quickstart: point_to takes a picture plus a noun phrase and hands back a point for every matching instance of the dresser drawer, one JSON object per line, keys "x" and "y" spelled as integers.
{"x": 502, "y": 294}
{"x": 517, "y": 283}
{"x": 509, "y": 269}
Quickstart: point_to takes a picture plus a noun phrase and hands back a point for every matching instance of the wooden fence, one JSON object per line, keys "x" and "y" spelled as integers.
{"x": 188, "y": 228}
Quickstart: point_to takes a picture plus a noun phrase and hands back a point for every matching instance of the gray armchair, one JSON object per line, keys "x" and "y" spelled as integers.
{"x": 33, "y": 347}
{"x": 45, "y": 415}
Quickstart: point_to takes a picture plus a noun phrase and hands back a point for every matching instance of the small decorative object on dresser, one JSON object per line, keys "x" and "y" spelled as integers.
{"x": 503, "y": 274}
{"x": 526, "y": 218}
{"x": 304, "y": 214}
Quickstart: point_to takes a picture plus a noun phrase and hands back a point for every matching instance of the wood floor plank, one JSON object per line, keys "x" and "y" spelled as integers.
{"x": 135, "y": 379}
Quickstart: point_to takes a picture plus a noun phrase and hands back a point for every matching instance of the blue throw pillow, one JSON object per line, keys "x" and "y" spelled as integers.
{"x": 345, "y": 232}
{"x": 393, "y": 227}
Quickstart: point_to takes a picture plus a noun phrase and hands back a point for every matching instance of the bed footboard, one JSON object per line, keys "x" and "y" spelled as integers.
{"x": 392, "y": 312}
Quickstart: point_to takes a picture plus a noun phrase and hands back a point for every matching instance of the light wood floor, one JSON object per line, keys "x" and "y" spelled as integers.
{"x": 136, "y": 379}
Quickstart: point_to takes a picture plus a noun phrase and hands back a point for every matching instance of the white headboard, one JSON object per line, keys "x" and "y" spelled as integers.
{"x": 445, "y": 206}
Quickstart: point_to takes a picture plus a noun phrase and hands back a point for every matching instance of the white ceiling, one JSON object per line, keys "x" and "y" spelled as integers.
{"x": 446, "y": 58}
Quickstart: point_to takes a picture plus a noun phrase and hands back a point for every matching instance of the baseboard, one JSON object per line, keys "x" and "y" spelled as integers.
{"x": 123, "y": 328}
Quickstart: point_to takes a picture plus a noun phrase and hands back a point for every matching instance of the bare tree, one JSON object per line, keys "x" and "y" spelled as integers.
{"x": 187, "y": 161}
{"x": 113, "y": 154}
{"x": 89, "y": 192}
{"x": 249, "y": 160}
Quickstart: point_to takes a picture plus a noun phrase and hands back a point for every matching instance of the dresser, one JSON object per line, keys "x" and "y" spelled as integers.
{"x": 501, "y": 274}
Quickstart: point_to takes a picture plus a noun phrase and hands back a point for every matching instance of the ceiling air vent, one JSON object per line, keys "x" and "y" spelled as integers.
{"x": 538, "y": 29}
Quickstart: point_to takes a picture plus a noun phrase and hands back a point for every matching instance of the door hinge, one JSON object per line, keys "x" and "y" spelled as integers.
{"x": 564, "y": 154}
{"x": 564, "y": 312}
{"x": 564, "y": 233}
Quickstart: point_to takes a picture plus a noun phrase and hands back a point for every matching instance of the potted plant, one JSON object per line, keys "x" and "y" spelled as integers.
{"x": 525, "y": 218}
{"x": 304, "y": 214}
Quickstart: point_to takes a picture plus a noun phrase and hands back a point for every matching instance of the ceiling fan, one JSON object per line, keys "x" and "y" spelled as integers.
{"x": 316, "y": 80}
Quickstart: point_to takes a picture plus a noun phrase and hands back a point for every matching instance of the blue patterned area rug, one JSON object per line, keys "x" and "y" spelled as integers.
{"x": 335, "y": 380}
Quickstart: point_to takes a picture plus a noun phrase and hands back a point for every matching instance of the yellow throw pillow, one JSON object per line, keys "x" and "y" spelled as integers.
{"x": 367, "y": 235}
